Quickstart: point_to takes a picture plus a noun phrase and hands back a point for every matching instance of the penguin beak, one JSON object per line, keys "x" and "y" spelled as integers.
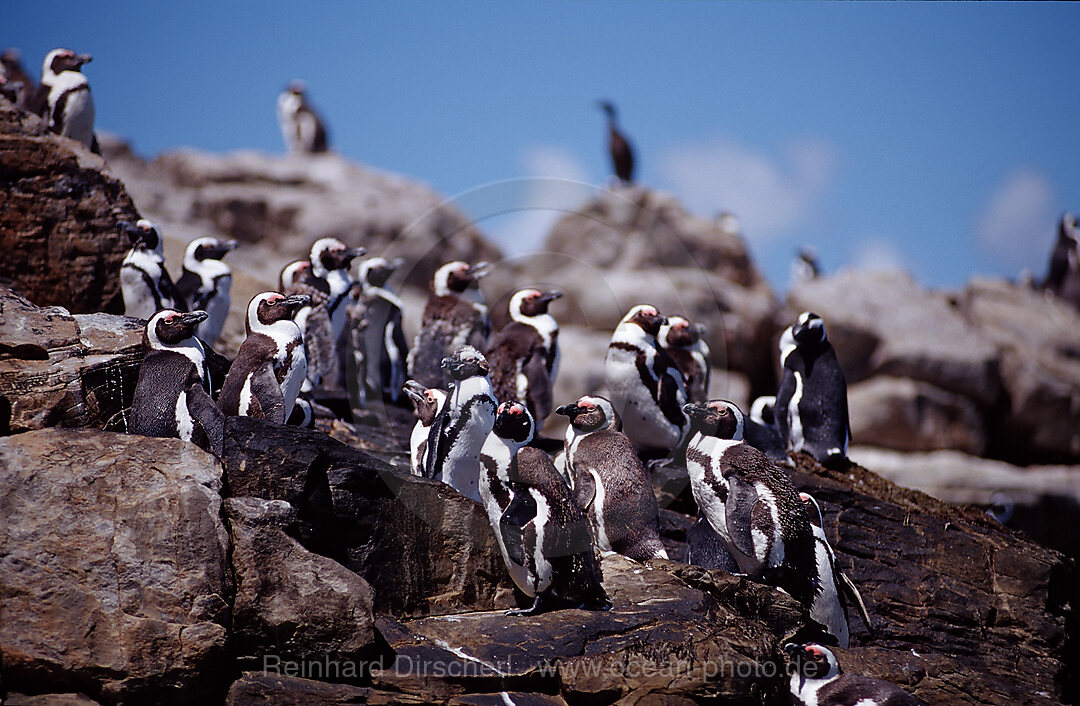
{"x": 696, "y": 411}
{"x": 396, "y": 264}
{"x": 551, "y": 296}
{"x": 414, "y": 390}
{"x": 568, "y": 410}
{"x": 130, "y": 230}
{"x": 698, "y": 328}
{"x": 480, "y": 269}
{"x": 792, "y": 649}
{"x": 81, "y": 59}
{"x": 295, "y": 301}
{"x": 223, "y": 248}
{"x": 193, "y": 317}
{"x": 354, "y": 252}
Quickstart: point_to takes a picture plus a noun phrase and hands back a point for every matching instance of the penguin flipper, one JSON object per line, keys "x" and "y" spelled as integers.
{"x": 584, "y": 489}
{"x": 267, "y": 400}
{"x": 671, "y": 396}
{"x": 740, "y": 510}
{"x": 518, "y": 514}
{"x": 168, "y": 290}
{"x": 850, "y": 592}
{"x": 208, "y": 416}
{"x": 535, "y": 369}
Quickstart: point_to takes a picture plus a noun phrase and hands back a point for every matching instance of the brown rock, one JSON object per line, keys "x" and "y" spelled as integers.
{"x": 278, "y": 689}
{"x": 58, "y": 218}
{"x": 114, "y": 581}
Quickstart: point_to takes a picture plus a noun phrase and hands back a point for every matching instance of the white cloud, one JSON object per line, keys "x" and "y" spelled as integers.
{"x": 770, "y": 196}
{"x": 1019, "y": 213}
{"x": 876, "y": 252}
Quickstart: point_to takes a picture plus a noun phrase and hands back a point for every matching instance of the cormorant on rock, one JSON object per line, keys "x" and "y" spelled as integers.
{"x": 622, "y": 156}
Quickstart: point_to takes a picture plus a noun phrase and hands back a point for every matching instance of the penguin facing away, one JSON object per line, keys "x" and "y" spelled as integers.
{"x": 836, "y": 590}
{"x": 817, "y": 680}
{"x": 811, "y": 411}
{"x": 205, "y": 283}
{"x": 427, "y": 402}
{"x": 63, "y": 99}
{"x": 144, "y": 282}
{"x": 384, "y": 338}
{"x": 548, "y": 545}
{"x": 454, "y": 316}
{"x": 524, "y": 354}
{"x": 644, "y": 384}
{"x": 622, "y": 154}
{"x": 301, "y": 127}
{"x": 760, "y": 431}
{"x": 609, "y": 481}
{"x": 264, "y": 379}
{"x": 749, "y": 502}
{"x": 463, "y": 424}
{"x": 172, "y": 397}
{"x": 683, "y": 341}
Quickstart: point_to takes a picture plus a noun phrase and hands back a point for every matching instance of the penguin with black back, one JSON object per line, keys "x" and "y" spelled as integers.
{"x": 385, "y": 349}
{"x": 684, "y": 342}
{"x": 206, "y": 282}
{"x": 144, "y": 282}
{"x": 817, "y": 680}
{"x": 524, "y": 354}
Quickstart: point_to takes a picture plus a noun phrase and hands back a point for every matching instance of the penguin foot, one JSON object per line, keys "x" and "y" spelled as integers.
{"x": 535, "y": 609}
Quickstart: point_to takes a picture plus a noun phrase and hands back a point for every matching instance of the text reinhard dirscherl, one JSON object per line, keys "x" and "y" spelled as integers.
{"x": 406, "y": 666}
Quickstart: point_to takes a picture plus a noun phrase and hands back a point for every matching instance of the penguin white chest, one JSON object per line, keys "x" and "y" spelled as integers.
{"x": 542, "y": 570}
{"x": 472, "y": 410}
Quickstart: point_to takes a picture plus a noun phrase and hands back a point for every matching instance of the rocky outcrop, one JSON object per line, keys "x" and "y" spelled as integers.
{"x": 114, "y": 577}
{"x": 59, "y": 208}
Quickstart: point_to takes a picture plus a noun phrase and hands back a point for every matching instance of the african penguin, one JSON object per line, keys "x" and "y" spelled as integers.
{"x": 645, "y": 386}
{"x": 805, "y": 267}
{"x": 454, "y": 316}
{"x": 622, "y": 155}
{"x": 811, "y": 411}
{"x": 836, "y": 590}
{"x": 303, "y": 130}
{"x": 609, "y": 481}
{"x": 749, "y": 502}
{"x": 463, "y": 423}
{"x": 144, "y": 281}
{"x": 269, "y": 368}
{"x": 172, "y": 394}
{"x": 330, "y": 260}
{"x": 760, "y": 431}
{"x": 15, "y": 76}
{"x": 545, "y": 537}
{"x": 524, "y": 354}
{"x": 205, "y": 283}
{"x": 706, "y": 549}
{"x": 63, "y": 98}
{"x": 427, "y": 401}
{"x": 384, "y": 338}
{"x": 683, "y": 341}
{"x": 303, "y": 415}
{"x": 816, "y": 680}
{"x": 1063, "y": 277}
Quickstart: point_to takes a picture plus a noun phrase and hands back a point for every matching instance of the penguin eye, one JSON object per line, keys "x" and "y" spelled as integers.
{"x": 170, "y": 319}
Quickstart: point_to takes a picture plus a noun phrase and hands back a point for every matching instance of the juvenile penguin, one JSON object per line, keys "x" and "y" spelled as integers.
{"x": 385, "y": 349}
{"x": 545, "y": 537}
{"x": 760, "y": 431}
{"x": 645, "y": 385}
{"x": 622, "y": 155}
{"x": 835, "y": 589}
{"x": 427, "y": 401}
{"x": 144, "y": 281}
{"x": 463, "y": 424}
{"x": 269, "y": 368}
{"x": 63, "y": 98}
{"x": 205, "y": 283}
{"x": 609, "y": 481}
{"x": 811, "y": 410}
{"x": 524, "y": 354}
{"x": 816, "y": 680}
{"x": 1063, "y": 277}
{"x": 455, "y": 315}
{"x": 302, "y": 128}
{"x": 683, "y": 341}
{"x": 749, "y": 502}
{"x": 172, "y": 394}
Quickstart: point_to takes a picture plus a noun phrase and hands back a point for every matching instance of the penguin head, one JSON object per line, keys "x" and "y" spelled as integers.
{"x": 426, "y": 401}
{"x": 169, "y": 327}
{"x": 455, "y": 277}
{"x": 678, "y": 332}
{"x": 329, "y": 254}
{"x": 375, "y": 271}
{"x": 293, "y": 273}
{"x": 813, "y": 509}
{"x": 296, "y": 87}
{"x": 647, "y": 318}
{"x": 60, "y": 60}
{"x": 466, "y": 363}
{"x": 762, "y": 410}
{"x": 143, "y": 234}
{"x": 591, "y": 413}
{"x": 812, "y": 661}
{"x": 527, "y": 303}
{"x": 268, "y": 308}
{"x": 809, "y": 329}
{"x": 208, "y": 249}
{"x": 718, "y": 418}
{"x": 514, "y": 423}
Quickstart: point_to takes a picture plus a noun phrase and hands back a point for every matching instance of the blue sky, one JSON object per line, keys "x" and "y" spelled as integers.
{"x": 943, "y": 137}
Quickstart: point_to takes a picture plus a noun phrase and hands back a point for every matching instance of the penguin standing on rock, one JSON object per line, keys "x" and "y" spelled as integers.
{"x": 455, "y": 315}
{"x": 463, "y": 424}
{"x": 817, "y": 680}
{"x": 1063, "y": 277}
{"x": 760, "y": 431}
{"x": 144, "y": 281}
{"x": 524, "y": 355}
{"x": 609, "y": 481}
{"x": 269, "y": 368}
{"x": 811, "y": 411}
{"x": 205, "y": 283}
{"x": 63, "y": 99}
{"x": 545, "y": 537}
{"x": 385, "y": 349}
{"x": 645, "y": 385}
{"x": 330, "y": 261}
{"x": 172, "y": 395}
{"x": 427, "y": 402}
{"x": 749, "y": 502}
{"x": 683, "y": 341}
{"x": 302, "y": 128}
